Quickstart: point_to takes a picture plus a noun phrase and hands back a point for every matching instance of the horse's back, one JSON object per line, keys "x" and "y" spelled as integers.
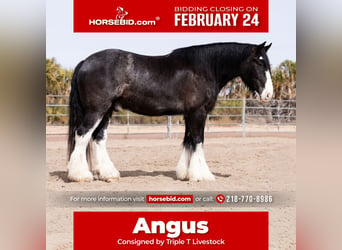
{"x": 149, "y": 85}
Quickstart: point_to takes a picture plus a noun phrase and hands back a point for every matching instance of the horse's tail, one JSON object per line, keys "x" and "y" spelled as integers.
{"x": 76, "y": 112}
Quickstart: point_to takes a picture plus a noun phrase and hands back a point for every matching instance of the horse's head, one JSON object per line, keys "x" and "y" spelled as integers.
{"x": 121, "y": 11}
{"x": 256, "y": 73}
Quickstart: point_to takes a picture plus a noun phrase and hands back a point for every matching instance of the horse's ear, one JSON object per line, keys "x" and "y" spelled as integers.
{"x": 268, "y": 47}
{"x": 260, "y": 46}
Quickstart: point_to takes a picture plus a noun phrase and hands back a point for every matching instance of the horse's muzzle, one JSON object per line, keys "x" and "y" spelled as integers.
{"x": 266, "y": 95}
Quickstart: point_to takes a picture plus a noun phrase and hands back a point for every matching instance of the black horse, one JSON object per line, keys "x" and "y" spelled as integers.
{"x": 186, "y": 81}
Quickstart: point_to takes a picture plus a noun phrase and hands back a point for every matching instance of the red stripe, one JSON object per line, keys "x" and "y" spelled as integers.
{"x": 172, "y": 15}
{"x": 110, "y": 230}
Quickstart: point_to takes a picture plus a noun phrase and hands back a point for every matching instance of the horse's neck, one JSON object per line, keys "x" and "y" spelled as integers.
{"x": 220, "y": 65}
{"x": 223, "y": 64}
{"x": 226, "y": 70}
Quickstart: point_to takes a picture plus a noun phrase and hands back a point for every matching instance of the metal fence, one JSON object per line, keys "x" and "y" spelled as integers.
{"x": 241, "y": 116}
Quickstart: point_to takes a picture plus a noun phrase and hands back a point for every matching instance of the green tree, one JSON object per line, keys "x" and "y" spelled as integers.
{"x": 57, "y": 78}
{"x": 57, "y": 83}
{"x": 284, "y": 80}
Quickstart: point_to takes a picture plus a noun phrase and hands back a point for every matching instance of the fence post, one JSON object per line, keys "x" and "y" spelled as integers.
{"x": 244, "y": 117}
{"x": 169, "y": 123}
{"x": 278, "y": 110}
{"x": 127, "y": 115}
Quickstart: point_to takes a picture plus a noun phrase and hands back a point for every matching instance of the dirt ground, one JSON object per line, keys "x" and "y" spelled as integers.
{"x": 239, "y": 164}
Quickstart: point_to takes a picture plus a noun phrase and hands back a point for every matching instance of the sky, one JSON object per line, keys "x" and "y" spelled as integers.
{"x": 69, "y": 48}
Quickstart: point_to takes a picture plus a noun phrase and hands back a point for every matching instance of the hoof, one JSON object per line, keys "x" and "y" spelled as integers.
{"x": 110, "y": 174}
{"x": 182, "y": 177}
{"x": 182, "y": 173}
{"x": 205, "y": 177}
{"x": 110, "y": 180}
{"x": 85, "y": 176}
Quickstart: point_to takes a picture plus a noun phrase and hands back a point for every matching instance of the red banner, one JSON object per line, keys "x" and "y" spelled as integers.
{"x": 171, "y": 16}
{"x": 167, "y": 230}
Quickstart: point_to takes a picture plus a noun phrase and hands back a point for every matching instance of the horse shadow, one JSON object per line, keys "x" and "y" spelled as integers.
{"x": 63, "y": 175}
{"x": 140, "y": 173}
{"x": 170, "y": 174}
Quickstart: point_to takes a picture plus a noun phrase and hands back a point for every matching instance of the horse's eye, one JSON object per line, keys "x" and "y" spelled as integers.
{"x": 258, "y": 60}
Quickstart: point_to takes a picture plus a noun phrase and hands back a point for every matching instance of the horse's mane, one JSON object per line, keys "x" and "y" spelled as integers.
{"x": 214, "y": 58}
{"x": 215, "y": 48}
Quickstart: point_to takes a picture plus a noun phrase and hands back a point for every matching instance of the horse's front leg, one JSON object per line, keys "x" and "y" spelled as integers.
{"x": 182, "y": 168}
{"x": 193, "y": 147}
{"x": 198, "y": 167}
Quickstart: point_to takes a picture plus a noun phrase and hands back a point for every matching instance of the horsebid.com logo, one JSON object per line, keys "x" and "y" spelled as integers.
{"x": 120, "y": 20}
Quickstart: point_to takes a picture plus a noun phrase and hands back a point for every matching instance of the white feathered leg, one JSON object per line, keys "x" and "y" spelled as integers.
{"x": 101, "y": 163}
{"x": 198, "y": 169}
{"x": 183, "y": 165}
{"x": 78, "y": 169}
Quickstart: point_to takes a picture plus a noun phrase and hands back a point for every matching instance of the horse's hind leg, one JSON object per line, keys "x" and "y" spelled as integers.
{"x": 77, "y": 166}
{"x": 101, "y": 164}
